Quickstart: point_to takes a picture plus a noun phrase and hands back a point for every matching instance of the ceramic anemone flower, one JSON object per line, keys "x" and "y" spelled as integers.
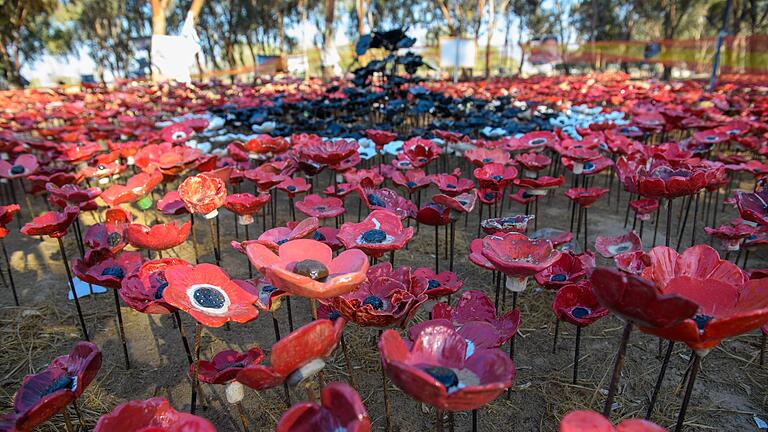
{"x": 329, "y": 152}
{"x": 72, "y": 194}
{"x": 473, "y": 317}
{"x": 23, "y": 166}
{"x": 537, "y": 140}
{"x": 540, "y": 185}
{"x": 731, "y": 236}
{"x": 340, "y": 409}
{"x": 439, "y": 284}
{"x": 643, "y": 208}
{"x": 412, "y": 180}
{"x": 176, "y": 133}
{"x": 434, "y": 214}
{"x": 577, "y": 304}
{"x": 225, "y": 365}
{"x": 158, "y": 237}
{"x": 452, "y": 185}
{"x": 380, "y": 137}
{"x": 273, "y": 238}
{"x": 203, "y": 194}
{"x": 519, "y": 257}
{"x": 494, "y": 175}
{"x": 171, "y": 204}
{"x": 590, "y": 421}
{"x": 438, "y": 369}
{"x": 753, "y": 206}
{"x": 566, "y": 270}
{"x": 100, "y": 267}
{"x": 585, "y": 198}
{"x": 341, "y": 190}
{"x": 319, "y": 207}
{"x": 459, "y": 204}
{"x": 476, "y": 256}
{"x": 610, "y": 246}
{"x": 294, "y": 186}
{"x": 631, "y": 262}
{"x": 726, "y": 302}
{"x": 208, "y": 294}
{"x": 517, "y": 223}
{"x": 380, "y": 232}
{"x": 385, "y": 199}
{"x": 386, "y": 298}
{"x": 532, "y": 163}
{"x": 307, "y": 268}
{"x": 53, "y": 224}
{"x": 420, "y": 151}
{"x": 637, "y": 300}
{"x": 296, "y": 357}
{"x": 6, "y": 216}
{"x": 155, "y": 415}
{"x": 664, "y": 181}
{"x": 263, "y": 144}
{"x": 479, "y": 156}
{"x": 46, "y": 393}
{"x": 143, "y": 289}
{"x": 245, "y": 205}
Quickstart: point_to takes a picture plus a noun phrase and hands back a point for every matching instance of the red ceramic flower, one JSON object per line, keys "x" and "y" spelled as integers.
{"x": 294, "y": 186}
{"x": 473, "y": 317}
{"x": 420, "y": 152}
{"x": 340, "y": 191}
{"x": 385, "y": 199}
{"x": 155, "y": 415}
{"x": 208, "y": 294}
{"x": 540, "y": 185}
{"x": 176, "y": 133}
{"x": 329, "y": 152}
{"x": 517, "y": 223}
{"x": 46, "y": 393}
{"x": 494, "y": 175}
{"x": 203, "y": 194}
{"x": 519, "y": 257}
{"x": 479, "y": 156}
{"x": 664, "y": 181}
{"x": 533, "y": 162}
{"x": 171, "y": 204}
{"x": 462, "y": 203}
{"x": 585, "y": 197}
{"x": 6, "y": 216}
{"x": 537, "y": 140}
{"x": 295, "y": 357}
{"x": 307, "y": 268}
{"x": 610, "y": 246}
{"x": 643, "y": 208}
{"x": 731, "y": 235}
{"x": 386, "y": 298}
{"x": 452, "y": 185}
{"x": 476, "y": 255}
{"x": 100, "y": 267}
{"x": 577, "y": 304}
{"x": 319, "y": 207}
{"x": 158, "y": 237}
{"x": 412, "y": 180}
{"x": 555, "y": 236}
{"x": 143, "y": 289}
{"x": 245, "y": 205}
{"x": 437, "y": 370}
{"x": 523, "y": 196}
{"x": 52, "y": 223}
{"x": 340, "y": 409}
{"x": 72, "y": 194}
{"x": 590, "y": 167}
{"x": 225, "y": 365}
{"x": 434, "y": 214}
{"x": 439, "y": 284}
{"x": 381, "y": 231}
{"x": 273, "y": 238}
{"x": 753, "y": 206}
{"x": 263, "y": 144}
{"x": 23, "y": 166}
{"x": 637, "y": 300}
{"x": 380, "y": 137}
{"x": 590, "y": 421}
{"x": 566, "y": 270}
{"x": 727, "y": 303}
{"x": 630, "y": 262}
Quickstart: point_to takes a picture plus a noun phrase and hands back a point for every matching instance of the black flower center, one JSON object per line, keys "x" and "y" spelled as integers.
{"x": 17, "y": 169}
{"x": 487, "y": 160}
{"x": 318, "y": 236}
{"x": 443, "y": 375}
{"x": 375, "y": 200}
{"x": 489, "y": 195}
{"x": 267, "y": 289}
{"x": 580, "y": 312}
{"x": 374, "y": 236}
{"x": 526, "y": 194}
{"x": 160, "y": 289}
{"x": 115, "y": 272}
{"x": 376, "y": 302}
{"x": 291, "y": 188}
{"x": 588, "y": 166}
{"x": 411, "y": 184}
{"x": 334, "y": 315}
{"x": 312, "y": 269}
{"x": 61, "y": 383}
{"x": 279, "y": 242}
{"x": 537, "y": 141}
{"x": 450, "y": 186}
{"x": 559, "y": 277}
{"x": 320, "y": 208}
{"x": 433, "y": 284}
{"x": 702, "y": 320}
{"x": 622, "y": 248}
{"x": 497, "y": 178}
{"x": 113, "y": 239}
{"x": 209, "y": 298}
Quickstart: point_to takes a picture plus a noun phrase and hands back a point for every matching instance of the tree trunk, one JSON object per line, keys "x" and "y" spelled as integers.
{"x": 491, "y": 27}
{"x": 158, "y": 16}
{"x": 360, "y": 13}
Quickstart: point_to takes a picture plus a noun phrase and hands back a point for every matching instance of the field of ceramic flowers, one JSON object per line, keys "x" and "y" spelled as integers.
{"x": 581, "y": 254}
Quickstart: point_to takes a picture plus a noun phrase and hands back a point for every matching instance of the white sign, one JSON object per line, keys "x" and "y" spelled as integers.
{"x": 297, "y": 64}
{"x": 457, "y": 52}
{"x": 173, "y": 56}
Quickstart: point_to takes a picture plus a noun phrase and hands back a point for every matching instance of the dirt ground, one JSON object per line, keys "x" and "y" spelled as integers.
{"x": 731, "y": 387}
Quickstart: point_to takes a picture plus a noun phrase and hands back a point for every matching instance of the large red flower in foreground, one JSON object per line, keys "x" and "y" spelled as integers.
{"x": 307, "y": 268}
{"x": 155, "y": 415}
{"x": 381, "y": 231}
{"x": 727, "y": 302}
{"x": 100, "y": 267}
{"x": 518, "y": 256}
{"x": 203, "y": 194}
{"x": 590, "y": 421}
{"x": 52, "y": 223}
{"x": 295, "y": 357}
{"x": 23, "y": 166}
{"x": 341, "y": 409}
{"x": 159, "y": 236}
{"x": 386, "y": 298}
{"x": 143, "y": 289}
{"x": 436, "y": 369}
{"x": 46, "y": 393}
{"x": 577, "y": 304}
{"x": 473, "y": 317}
{"x": 208, "y": 294}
